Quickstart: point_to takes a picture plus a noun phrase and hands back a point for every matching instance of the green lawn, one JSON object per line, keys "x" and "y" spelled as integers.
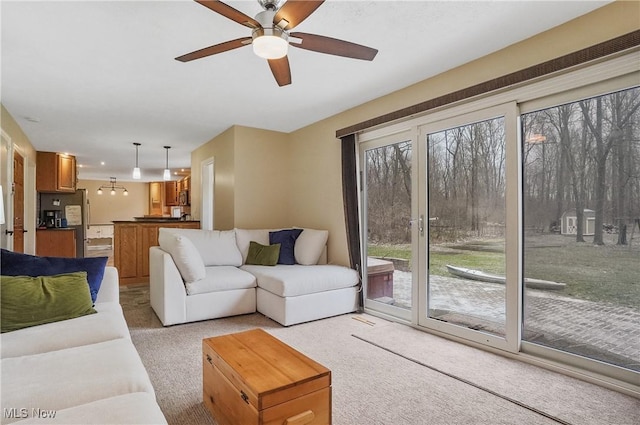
{"x": 607, "y": 273}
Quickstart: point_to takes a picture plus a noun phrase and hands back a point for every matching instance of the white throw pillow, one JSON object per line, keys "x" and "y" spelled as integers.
{"x": 184, "y": 254}
{"x": 310, "y": 245}
{"x": 216, "y": 247}
{"x": 245, "y": 236}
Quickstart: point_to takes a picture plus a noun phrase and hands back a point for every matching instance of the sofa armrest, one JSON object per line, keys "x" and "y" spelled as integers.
{"x": 167, "y": 293}
{"x": 110, "y": 286}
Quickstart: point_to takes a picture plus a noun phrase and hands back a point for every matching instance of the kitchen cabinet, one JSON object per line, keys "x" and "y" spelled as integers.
{"x": 186, "y": 183}
{"x": 184, "y": 197}
{"x": 132, "y": 240}
{"x": 56, "y": 242}
{"x": 171, "y": 193}
{"x": 55, "y": 172}
{"x": 156, "y": 198}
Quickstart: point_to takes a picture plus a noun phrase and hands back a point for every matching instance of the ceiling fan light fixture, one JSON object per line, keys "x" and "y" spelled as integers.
{"x": 270, "y": 43}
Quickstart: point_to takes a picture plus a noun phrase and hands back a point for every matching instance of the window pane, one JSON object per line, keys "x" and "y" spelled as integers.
{"x": 466, "y": 181}
{"x": 388, "y": 183}
{"x": 581, "y": 192}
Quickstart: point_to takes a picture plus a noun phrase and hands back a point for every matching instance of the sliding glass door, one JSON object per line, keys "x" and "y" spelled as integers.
{"x": 515, "y": 225}
{"x": 465, "y": 183}
{"x": 581, "y": 184}
{"x": 386, "y": 165}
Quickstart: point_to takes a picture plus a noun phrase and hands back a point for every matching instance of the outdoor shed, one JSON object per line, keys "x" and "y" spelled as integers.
{"x": 569, "y": 223}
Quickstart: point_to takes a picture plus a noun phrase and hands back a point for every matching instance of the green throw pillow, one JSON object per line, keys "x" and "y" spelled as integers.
{"x": 30, "y": 301}
{"x": 263, "y": 255}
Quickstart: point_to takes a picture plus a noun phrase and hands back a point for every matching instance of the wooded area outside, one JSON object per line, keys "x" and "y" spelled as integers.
{"x": 584, "y": 155}
{"x": 388, "y": 174}
{"x": 467, "y": 182}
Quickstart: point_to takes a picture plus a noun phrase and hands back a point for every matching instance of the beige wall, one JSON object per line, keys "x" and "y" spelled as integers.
{"x": 11, "y": 127}
{"x": 23, "y": 146}
{"x": 252, "y": 175}
{"x": 221, "y": 148}
{"x": 106, "y": 208}
{"x": 262, "y": 179}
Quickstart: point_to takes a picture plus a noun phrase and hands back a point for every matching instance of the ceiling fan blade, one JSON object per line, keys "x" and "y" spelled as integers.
{"x": 229, "y": 12}
{"x": 333, "y": 46}
{"x": 296, "y": 11}
{"x": 217, "y": 48}
{"x": 281, "y": 70}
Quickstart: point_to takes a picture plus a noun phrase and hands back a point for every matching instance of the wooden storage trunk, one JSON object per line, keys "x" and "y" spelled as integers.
{"x": 253, "y": 378}
{"x": 379, "y": 278}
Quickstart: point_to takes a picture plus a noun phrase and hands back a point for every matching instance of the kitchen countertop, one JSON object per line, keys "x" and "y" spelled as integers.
{"x": 55, "y": 228}
{"x": 156, "y": 220}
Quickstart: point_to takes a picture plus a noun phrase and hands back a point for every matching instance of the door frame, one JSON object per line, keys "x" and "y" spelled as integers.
{"x": 373, "y": 140}
{"x": 207, "y": 195}
{"x": 6, "y": 180}
{"x": 513, "y": 288}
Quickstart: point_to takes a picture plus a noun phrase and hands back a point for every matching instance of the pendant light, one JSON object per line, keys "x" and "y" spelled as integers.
{"x": 113, "y": 186}
{"x": 167, "y": 173}
{"x": 136, "y": 170}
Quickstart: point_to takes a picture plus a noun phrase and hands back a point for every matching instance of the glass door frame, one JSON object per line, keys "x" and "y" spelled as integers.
{"x": 373, "y": 140}
{"x": 513, "y": 288}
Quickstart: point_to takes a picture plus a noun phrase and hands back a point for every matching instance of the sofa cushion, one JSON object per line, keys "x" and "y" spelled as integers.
{"x": 263, "y": 255}
{"x": 222, "y": 278}
{"x": 18, "y": 264}
{"x": 216, "y": 247}
{"x": 138, "y": 408}
{"x": 291, "y": 281}
{"x": 184, "y": 254}
{"x": 245, "y": 236}
{"x": 287, "y": 240}
{"x": 310, "y": 245}
{"x": 107, "y": 325}
{"x": 80, "y": 374}
{"x": 29, "y": 301}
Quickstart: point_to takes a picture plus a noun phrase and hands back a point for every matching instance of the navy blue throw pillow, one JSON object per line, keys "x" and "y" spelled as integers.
{"x": 18, "y": 264}
{"x": 287, "y": 240}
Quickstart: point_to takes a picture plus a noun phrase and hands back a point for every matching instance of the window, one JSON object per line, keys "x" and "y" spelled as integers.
{"x": 581, "y": 163}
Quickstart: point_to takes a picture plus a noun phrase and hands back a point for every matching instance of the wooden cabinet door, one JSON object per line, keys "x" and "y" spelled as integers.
{"x": 125, "y": 250}
{"x": 46, "y": 169}
{"x": 66, "y": 173}
{"x": 55, "y": 172}
{"x": 171, "y": 193}
{"x": 56, "y": 243}
{"x": 149, "y": 238}
{"x": 155, "y": 198}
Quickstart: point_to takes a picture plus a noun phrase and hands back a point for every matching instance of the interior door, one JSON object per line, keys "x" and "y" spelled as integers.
{"x": 470, "y": 286}
{"x": 18, "y": 202}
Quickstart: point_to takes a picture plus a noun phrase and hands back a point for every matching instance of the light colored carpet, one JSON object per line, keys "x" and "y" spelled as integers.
{"x": 372, "y": 385}
{"x": 562, "y": 397}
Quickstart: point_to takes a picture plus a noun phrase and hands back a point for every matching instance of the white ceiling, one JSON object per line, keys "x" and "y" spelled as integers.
{"x": 92, "y": 77}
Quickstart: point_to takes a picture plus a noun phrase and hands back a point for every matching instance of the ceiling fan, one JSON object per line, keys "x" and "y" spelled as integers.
{"x": 271, "y": 35}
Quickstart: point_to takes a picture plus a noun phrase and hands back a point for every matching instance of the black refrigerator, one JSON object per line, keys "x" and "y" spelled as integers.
{"x": 73, "y": 210}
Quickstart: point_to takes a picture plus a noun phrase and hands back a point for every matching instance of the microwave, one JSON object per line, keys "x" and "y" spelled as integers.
{"x": 183, "y": 197}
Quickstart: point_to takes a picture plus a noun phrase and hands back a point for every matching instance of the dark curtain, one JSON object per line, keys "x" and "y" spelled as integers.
{"x": 351, "y": 208}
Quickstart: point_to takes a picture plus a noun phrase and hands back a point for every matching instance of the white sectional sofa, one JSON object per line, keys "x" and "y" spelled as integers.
{"x": 84, "y": 370}
{"x": 202, "y": 274}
